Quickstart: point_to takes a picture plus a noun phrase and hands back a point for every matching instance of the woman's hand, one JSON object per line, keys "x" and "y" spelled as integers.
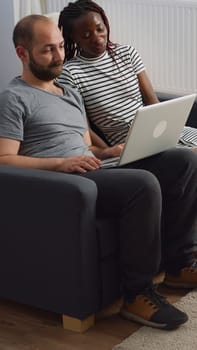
{"x": 113, "y": 151}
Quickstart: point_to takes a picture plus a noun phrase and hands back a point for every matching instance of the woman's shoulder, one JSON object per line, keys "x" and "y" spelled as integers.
{"x": 73, "y": 62}
{"x": 125, "y": 49}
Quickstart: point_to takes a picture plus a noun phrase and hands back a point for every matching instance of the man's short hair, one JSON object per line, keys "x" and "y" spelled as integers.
{"x": 23, "y": 33}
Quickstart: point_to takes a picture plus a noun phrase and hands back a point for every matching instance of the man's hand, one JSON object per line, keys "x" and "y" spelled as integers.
{"x": 9, "y": 155}
{"x": 80, "y": 164}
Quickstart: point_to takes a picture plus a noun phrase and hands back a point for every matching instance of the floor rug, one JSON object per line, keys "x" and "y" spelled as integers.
{"x": 183, "y": 338}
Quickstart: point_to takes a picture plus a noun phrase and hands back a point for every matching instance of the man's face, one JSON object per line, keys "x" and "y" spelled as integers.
{"x": 47, "y": 53}
{"x": 43, "y": 71}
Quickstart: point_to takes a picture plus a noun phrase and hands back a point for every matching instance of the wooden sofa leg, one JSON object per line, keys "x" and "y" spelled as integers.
{"x": 77, "y": 325}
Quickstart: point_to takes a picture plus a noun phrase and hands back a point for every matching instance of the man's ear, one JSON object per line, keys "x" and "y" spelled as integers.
{"x": 22, "y": 52}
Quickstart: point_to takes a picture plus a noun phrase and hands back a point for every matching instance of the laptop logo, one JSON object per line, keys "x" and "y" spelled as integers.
{"x": 159, "y": 129}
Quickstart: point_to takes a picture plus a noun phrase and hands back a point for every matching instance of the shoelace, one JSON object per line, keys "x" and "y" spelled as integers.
{"x": 153, "y": 297}
{"x": 193, "y": 267}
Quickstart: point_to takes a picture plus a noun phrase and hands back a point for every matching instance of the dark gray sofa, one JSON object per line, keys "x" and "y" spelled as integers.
{"x": 192, "y": 119}
{"x": 54, "y": 254}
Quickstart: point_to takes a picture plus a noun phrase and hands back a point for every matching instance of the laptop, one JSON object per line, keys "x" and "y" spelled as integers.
{"x": 154, "y": 129}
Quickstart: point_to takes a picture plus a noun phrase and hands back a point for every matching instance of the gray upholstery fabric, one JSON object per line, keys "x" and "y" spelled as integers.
{"x": 192, "y": 119}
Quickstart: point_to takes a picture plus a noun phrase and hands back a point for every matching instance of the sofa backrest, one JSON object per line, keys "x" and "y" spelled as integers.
{"x": 192, "y": 119}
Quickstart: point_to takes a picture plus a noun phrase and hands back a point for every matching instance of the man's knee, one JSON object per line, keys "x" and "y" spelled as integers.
{"x": 150, "y": 185}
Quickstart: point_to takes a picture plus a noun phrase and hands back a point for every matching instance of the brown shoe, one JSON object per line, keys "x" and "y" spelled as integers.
{"x": 195, "y": 254}
{"x": 187, "y": 278}
{"x": 152, "y": 309}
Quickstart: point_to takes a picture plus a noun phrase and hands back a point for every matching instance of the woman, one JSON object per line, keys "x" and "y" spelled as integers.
{"x": 110, "y": 77}
{"x": 114, "y": 84}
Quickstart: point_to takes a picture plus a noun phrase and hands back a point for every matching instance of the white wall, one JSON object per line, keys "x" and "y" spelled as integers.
{"x": 163, "y": 31}
{"x": 9, "y": 63}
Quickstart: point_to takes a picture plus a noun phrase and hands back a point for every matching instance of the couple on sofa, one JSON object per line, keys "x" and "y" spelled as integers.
{"x": 43, "y": 126}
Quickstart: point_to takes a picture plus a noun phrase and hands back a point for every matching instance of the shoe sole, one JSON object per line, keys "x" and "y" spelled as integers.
{"x": 165, "y": 326}
{"x": 180, "y": 285}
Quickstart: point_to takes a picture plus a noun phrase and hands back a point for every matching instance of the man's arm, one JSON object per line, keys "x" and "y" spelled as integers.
{"x": 9, "y": 155}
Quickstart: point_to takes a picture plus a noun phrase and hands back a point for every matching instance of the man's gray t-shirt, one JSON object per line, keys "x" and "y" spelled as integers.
{"x": 46, "y": 124}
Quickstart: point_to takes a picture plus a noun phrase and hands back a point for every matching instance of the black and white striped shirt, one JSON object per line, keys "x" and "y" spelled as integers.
{"x": 109, "y": 88}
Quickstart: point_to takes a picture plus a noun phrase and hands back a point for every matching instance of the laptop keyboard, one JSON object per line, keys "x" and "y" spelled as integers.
{"x": 189, "y": 137}
{"x": 110, "y": 162}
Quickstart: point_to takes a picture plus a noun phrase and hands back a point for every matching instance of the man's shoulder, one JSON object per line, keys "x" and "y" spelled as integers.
{"x": 15, "y": 83}
{"x": 14, "y": 87}
{"x": 8, "y": 92}
{"x": 69, "y": 91}
{"x": 18, "y": 93}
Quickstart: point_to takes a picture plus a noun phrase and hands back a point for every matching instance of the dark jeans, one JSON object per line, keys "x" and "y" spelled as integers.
{"x": 155, "y": 200}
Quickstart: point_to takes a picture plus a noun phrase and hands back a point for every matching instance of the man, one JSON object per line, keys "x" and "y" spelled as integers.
{"x": 43, "y": 126}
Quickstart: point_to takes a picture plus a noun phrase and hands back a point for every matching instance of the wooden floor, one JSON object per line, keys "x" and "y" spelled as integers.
{"x": 25, "y": 328}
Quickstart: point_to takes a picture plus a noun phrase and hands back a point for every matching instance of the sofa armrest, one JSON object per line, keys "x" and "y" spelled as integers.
{"x": 48, "y": 243}
{"x": 192, "y": 119}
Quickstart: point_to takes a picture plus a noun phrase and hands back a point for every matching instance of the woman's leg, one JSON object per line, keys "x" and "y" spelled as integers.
{"x": 176, "y": 171}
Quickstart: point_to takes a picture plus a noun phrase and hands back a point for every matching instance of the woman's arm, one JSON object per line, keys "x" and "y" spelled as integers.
{"x": 96, "y": 140}
{"x": 99, "y": 147}
{"x": 146, "y": 88}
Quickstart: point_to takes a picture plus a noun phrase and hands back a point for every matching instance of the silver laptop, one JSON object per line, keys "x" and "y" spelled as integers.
{"x": 154, "y": 129}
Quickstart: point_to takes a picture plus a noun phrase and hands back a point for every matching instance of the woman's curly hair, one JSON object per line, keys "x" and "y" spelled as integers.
{"x": 73, "y": 11}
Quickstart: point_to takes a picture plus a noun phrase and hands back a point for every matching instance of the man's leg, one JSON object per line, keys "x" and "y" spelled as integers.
{"x": 134, "y": 197}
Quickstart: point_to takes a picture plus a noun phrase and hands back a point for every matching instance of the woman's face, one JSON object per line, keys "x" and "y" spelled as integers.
{"x": 90, "y": 34}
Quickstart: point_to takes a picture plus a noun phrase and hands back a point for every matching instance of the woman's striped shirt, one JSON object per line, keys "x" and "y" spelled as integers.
{"x": 109, "y": 88}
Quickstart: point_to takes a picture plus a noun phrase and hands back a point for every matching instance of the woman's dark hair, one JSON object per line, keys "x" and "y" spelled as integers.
{"x": 73, "y": 11}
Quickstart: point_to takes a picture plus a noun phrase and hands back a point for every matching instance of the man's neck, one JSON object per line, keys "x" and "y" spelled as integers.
{"x": 49, "y": 86}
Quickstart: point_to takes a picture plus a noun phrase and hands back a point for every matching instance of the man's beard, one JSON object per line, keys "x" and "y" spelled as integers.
{"x": 48, "y": 73}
